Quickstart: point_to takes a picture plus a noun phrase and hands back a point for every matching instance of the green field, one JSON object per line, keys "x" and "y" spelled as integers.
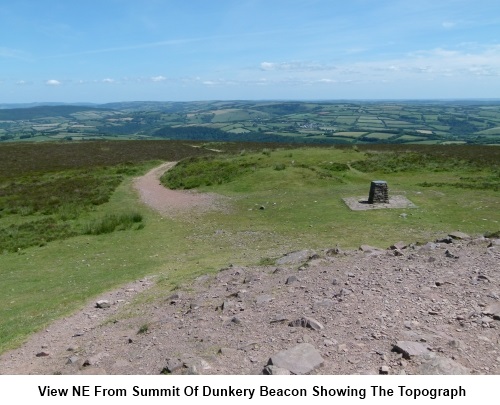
{"x": 106, "y": 237}
{"x": 473, "y": 122}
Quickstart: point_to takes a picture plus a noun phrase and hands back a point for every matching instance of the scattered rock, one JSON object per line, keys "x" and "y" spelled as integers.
{"x": 102, "y": 304}
{"x": 295, "y": 257}
{"x": 410, "y": 349}
{"x": 226, "y": 351}
{"x": 436, "y": 365}
{"x": 274, "y": 370}
{"x": 374, "y": 301}
{"x": 368, "y": 249}
{"x": 459, "y": 235}
{"x": 450, "y": 255}
{"x": 172, "y": 366}
{"x": 263, "y": 299}
{"x": 399, "y": 246}
{"x": 307, "y": 323}
{"x": 384, "y": 370}
{"x": 493, "y": 310}
{"x": 301, "y": 359}
{"x": 333, "y": 252}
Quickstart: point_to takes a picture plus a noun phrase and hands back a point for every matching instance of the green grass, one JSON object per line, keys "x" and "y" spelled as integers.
{"x": 301, "y": 191}
{"x": 112, "y": 222}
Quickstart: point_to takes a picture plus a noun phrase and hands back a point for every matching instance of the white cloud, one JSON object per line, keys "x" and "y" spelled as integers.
{"x": 108, "y": 80}
{"x": 158, "y": 78}
{"x": 267, "y": 66}
{"x": 53, "y": 82}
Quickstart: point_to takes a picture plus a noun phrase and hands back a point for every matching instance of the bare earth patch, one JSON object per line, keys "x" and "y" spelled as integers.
{"x": 408, "y": 309}
{"x": 174, "y": 202}
{"x": 429, "y": 309}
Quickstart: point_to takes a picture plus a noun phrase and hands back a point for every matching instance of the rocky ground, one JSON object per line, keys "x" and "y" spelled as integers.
{"x": 432, "y": 309}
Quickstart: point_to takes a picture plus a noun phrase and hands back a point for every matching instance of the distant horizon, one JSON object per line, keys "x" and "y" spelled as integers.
{"x": 340, "y": 100}
{"x": 110, "y": 50}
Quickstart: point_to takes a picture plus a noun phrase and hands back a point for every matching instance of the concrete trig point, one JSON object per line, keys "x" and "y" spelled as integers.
{"x": 379, "y": 192}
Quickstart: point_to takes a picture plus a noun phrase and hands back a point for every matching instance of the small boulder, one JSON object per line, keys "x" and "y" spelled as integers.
{"x": 102, "y": 304}
{"x": 493, "y": 310}
{"x": 307, "y": 323}
{"x": 300, "y": 359}
{"x": 459, "y": 235}
{"x": 410, "y": 349}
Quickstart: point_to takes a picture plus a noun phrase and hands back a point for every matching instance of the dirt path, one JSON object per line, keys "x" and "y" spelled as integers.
{"x": 62, "y": 339}
{"x": 432, "y": 309}
{"x": 173, "y": 202}
{"x": 410, "y": 309}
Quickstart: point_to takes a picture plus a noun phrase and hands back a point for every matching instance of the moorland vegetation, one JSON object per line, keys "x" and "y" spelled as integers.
{"x": 71, "y": 225}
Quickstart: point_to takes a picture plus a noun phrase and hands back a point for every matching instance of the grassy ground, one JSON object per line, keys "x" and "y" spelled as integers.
{"x": 303, "y": 204}
{"x": 301, "y": 191}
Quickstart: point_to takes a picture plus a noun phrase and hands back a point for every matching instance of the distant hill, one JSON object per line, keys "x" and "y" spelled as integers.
{"x": 30, "y": 113}
{"x": 292, "y": 121}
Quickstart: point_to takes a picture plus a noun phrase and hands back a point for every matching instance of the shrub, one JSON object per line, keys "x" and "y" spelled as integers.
{"x": 113, "y": 222}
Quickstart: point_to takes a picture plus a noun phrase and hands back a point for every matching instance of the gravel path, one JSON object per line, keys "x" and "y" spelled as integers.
{"x": 174, "y": 202}
{"x": 432, "y": 309}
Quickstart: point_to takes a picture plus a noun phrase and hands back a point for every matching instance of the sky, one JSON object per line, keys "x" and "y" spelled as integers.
{"x": 184, "y": 50}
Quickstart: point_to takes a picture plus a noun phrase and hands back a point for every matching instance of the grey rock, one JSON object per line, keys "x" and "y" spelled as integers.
{"x": 173, "y": 365}
{"x": 410, "y": 349}
{"x": 295, "y": 257}
{"x": 368, "y": 249}
{"x": 429, "y": 246}
{"x": 384, "y": 370}
{"x": 324, "y": 303}
{"x": 493, "y": 310}
{"x": 494, "y": 242}
{"x": 307, "y": 323}
{"x": 333, "y": 252}
{"x": 436, "y": 365}
{"x": 274, "y": 370}
{"x": 450, "y": 255}
{"x": 459, "y": 235}
{"x": 300, "y": 359}
{"x": 91, "y": 361}
{"x": 102, "y": 304}
{"x": 72, "y": 360}
{"x": 174, "y": 297}
{"x": 42, "y": 354}
{"x": 291, "y": 279}
{"x": 226, "y": 305}
{"x": 399, "y": 246}
{"x": 263, "y": 299}
{"x": 279, "y": 318}
{"x": 236, "y": 320}
{"x": 226, "y": 351}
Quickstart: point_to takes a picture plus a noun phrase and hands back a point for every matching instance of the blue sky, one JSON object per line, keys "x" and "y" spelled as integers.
{"x": 122, "y": 50}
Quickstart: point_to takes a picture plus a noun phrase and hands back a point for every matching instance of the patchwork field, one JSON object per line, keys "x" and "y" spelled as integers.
{"x": 472, "y": 122}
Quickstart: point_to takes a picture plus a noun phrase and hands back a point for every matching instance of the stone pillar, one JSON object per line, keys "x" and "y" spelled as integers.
{"x": 379, "y": 193}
